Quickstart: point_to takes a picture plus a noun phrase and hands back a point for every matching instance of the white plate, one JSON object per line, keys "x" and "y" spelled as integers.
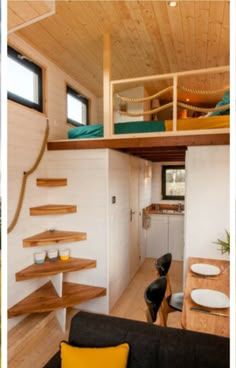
{"x": 210, "y": 298}
{"x": 205, "y": 269}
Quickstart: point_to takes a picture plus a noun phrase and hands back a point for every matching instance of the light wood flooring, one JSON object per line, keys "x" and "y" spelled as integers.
{"x": 33, "y": 341}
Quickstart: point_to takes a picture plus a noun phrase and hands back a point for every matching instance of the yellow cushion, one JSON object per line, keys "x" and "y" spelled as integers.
{"x": 108, "y": 357}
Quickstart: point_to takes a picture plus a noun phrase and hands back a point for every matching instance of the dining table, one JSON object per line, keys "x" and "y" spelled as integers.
{"x": 207, "y": 315}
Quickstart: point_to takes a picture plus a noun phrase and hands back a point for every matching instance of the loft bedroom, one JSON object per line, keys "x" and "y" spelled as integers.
{"x": 130, "y": 51}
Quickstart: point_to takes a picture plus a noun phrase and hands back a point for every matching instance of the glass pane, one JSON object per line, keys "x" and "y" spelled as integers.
{"x": 175, "y": 182}
{"x": 76, "y": 110}
{"x": 22, "y": 81}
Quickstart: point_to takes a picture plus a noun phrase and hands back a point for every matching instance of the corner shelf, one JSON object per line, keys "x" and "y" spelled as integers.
{"x": 57, "y": 294}
{"x": 52, "y": 209}
{"x": 53, "y": 268}
{"x": 54, "y": 237}
{"x": 46, "y": 299}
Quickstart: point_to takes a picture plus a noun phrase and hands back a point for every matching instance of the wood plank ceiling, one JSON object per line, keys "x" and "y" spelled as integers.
{"x": 148, "y": 37}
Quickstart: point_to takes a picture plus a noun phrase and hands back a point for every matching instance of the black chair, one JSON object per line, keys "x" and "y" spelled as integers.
{"x": 174, "y": 300}
{"x": 154, "y": 295}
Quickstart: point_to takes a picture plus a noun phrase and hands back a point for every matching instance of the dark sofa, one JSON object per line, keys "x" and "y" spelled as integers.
{"x": 150, "y": 345}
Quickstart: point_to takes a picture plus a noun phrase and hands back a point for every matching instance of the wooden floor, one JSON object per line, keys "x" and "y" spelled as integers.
{"x": 36, "y": 339}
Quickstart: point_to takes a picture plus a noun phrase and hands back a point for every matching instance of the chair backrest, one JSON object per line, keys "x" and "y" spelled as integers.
{"x": 154, "y": 295}
{"x": 163, "y": 264}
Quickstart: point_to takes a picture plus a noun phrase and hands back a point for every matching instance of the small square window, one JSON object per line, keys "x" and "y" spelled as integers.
{"x": 173, "y": 182}
{"x": 77, "y": 108}
{"x": 24, "y": 82}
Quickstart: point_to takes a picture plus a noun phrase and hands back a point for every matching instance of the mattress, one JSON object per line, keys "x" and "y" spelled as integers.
{"x": 96, "y": 130}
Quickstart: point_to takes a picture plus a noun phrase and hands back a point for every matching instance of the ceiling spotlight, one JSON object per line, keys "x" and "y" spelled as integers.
{"x": 187, "y": 99}
{"x": 172, "y": 3}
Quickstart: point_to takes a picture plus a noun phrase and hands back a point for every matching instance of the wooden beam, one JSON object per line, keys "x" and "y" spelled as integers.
{"x": 170, "y": 141}
{"x": 106, "y": 85}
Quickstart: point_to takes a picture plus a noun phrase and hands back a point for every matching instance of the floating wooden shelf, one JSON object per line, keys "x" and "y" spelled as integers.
{"x": 53, "y": 268}
{"x": 45, "y": 299}
{"x": 55, "y": 182}
{"x": 54, "y": 237}
{"x": 52, "y": 209}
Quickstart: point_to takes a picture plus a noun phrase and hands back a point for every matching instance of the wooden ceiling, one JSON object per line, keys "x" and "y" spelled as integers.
{"x": 148, "y": 37}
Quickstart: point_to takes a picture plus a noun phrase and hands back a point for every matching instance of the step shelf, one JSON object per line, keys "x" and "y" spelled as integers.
{"x": 53, "y": 268}
{"x": 52, "y": 209}
{"x": 54, "y": 237}
{"x": 45, "y": 299}
{"x": 51, "y": 182}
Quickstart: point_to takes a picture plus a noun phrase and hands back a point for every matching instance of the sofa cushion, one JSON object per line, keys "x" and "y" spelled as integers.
{"x": 108, "y": 357}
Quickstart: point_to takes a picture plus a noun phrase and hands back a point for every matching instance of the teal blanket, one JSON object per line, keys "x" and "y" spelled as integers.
{"x": 96, "y": 130}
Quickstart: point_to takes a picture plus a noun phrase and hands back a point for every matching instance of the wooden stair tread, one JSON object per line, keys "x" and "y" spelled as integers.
{"x": 45, "y": 299}
{"x": 52, "y": 268}
{"x": 51, "y": 209}
{"x": 54, "y": 237}
{"x": 51, "y": 182}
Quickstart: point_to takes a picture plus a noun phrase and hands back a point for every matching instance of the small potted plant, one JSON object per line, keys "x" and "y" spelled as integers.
{"x": 224, "y": 244}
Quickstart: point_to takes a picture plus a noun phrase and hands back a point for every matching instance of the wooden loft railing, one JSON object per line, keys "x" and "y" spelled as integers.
{"x": 108, "y": 98}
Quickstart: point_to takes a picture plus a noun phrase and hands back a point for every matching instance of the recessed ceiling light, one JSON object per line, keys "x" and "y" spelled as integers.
{"x": 187, "y": 99}
{"x": 172, "y": 3}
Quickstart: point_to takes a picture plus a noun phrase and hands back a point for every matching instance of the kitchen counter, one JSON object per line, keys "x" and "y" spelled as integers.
{"x": 165, "y": 209}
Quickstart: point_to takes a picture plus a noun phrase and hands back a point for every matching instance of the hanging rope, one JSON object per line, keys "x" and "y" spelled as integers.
{"x": 163, "y": 107}
{"x": 203, "y": 109}
{"x": 162, "y": 92}
{"x": 24, "y": 180}
{"x": 203, "y": 92}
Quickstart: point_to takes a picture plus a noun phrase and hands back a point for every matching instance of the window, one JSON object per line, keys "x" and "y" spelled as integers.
{"x": 24, "y": 82}
{"x": 173, "y": 182}
{"x": 77, "y": 108}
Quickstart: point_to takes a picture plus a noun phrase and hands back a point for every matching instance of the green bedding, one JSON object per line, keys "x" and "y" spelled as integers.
{"x": 96, "y": 130}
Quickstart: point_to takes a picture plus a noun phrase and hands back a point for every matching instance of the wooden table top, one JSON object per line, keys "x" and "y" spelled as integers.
{"x": 205, "y": 322}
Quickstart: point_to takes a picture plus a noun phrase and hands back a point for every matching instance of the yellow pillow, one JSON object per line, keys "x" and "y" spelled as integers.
{"x": 108, "y": 357}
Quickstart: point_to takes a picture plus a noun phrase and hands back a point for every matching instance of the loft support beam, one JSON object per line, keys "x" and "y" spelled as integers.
{"x": 107, "y": 120}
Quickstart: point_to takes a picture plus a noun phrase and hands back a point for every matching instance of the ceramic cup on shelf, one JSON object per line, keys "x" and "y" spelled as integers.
{"x": 39, "y": 257}
{"x": 52, "y": 255}
{"x": 64, "y": 254}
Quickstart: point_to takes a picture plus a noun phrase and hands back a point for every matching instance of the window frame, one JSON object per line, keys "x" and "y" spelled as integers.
{"x": 30, "y": 65}
{"x": 81, "y": 98}
{"x": 163, "y": 186}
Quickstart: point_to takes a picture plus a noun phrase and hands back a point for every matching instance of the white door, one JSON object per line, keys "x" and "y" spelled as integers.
{"x": 134, "y": 250}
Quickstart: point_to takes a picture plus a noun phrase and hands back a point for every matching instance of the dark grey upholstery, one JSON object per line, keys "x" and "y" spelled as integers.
{"x": 151, "y": 346}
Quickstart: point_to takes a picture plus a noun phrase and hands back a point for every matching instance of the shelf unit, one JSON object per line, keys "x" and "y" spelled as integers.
{"x": 56, "y": 294}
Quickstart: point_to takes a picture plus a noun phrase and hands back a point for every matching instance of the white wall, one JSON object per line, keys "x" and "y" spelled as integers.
{"x": 206, "y": 200}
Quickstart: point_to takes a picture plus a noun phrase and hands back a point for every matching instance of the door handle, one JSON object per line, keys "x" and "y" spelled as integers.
{"x": 131, "y": 214}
